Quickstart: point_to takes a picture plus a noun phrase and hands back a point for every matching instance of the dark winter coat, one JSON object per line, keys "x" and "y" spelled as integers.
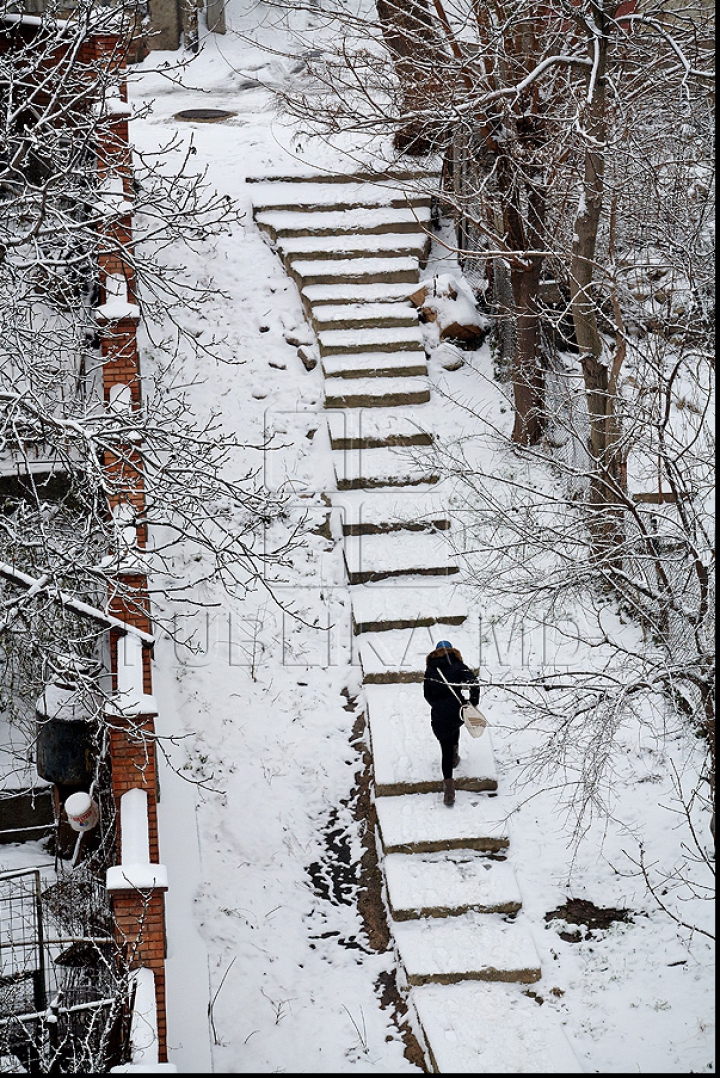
{"x": 444, "y": 705}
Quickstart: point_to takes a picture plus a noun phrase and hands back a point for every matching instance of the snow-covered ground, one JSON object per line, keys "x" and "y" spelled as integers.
{"x": 269, "y": 966}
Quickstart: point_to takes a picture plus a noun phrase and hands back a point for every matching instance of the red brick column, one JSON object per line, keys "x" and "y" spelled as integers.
{"x": 140, "y": 933}
{"x": 134, "y": 766}
{"x": 139, "y": 915}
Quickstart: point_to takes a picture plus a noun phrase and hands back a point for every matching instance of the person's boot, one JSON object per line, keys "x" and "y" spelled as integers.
{"x": 449, "y": 797}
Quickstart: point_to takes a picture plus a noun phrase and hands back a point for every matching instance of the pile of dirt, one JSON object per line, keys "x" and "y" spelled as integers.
{"x": 580, "y": 911}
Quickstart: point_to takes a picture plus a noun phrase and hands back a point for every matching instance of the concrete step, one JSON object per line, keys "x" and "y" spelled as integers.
{"x": 346, "y": 194}
{"x": 397, "y": 554}
{"x": 386, "y": 511}
{"x": 375, "y": 220}
{"x": 376, "y": 392}
{"x": 355, "y": 270}
{"x": 399, "y": 655}
{"x": 381, "y": 339}
{"x": 316, "y": 295}
{"x": 471, "y": 947}
{"x": 406, "y": 753}
{"x": 375, "y": 365}
{"x": 449, "y": 883}
{"x": 420, "y": 823}
{"x": 409, "y": 178}
{"x": 355, "y": 431}
{"x": 466, "y": 1026}
{"x": 362, "y": 315}
{"x": 384, "y": 466}
{"x": 412, "y": 601}
{"x": 296, "y": 248}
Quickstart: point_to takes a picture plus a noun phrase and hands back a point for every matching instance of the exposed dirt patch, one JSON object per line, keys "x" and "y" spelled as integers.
{"x": 580, "y": 911}
{"x": 334, "y": 878}
{"x": 534, "y": 995}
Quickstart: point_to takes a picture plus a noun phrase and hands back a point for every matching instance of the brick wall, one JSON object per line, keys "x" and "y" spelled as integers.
{"x": 140, "y": 931}
{"x": 134, "y": 765}
{"x": 139, "y": 916}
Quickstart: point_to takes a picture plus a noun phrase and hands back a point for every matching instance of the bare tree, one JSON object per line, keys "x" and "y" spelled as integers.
{"x": 69, "y": 457}
{"x": 529, "y": 113}
{"x": 647, "y": 631}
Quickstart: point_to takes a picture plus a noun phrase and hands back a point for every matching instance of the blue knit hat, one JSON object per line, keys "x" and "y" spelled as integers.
{"x": 443, "y": 644}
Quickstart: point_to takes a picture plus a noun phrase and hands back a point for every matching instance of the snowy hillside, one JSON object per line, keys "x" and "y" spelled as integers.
{"x": 264, "y": 853}
{"x": 280, "y": 949}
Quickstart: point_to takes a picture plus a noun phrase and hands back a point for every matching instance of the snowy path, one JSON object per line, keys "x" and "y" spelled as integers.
{"x": 452, "y": 892}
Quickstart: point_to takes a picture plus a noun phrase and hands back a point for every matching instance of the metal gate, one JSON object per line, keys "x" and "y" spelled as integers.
{"x": 63, "y": 994}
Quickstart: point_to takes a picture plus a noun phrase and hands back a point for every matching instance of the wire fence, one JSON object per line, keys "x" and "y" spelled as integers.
{"x": 64, "y": 1006}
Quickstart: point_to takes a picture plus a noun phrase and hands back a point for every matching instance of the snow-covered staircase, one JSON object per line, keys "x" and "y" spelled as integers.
{"x": 355, "y": 246}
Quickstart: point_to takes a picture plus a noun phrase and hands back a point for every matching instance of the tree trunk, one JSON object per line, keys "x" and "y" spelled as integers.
{"x": 409, "y": 33}
{"x": 608, "y": 478}
{"x": 709, "y": 716}
{"x": 587, "y": 220}
{"x": 527, "y": 370}
{"x": 527, "y": 376}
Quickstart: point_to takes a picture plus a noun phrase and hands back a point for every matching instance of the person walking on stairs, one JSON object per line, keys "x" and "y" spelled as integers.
{"x": 446, "y": 675}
